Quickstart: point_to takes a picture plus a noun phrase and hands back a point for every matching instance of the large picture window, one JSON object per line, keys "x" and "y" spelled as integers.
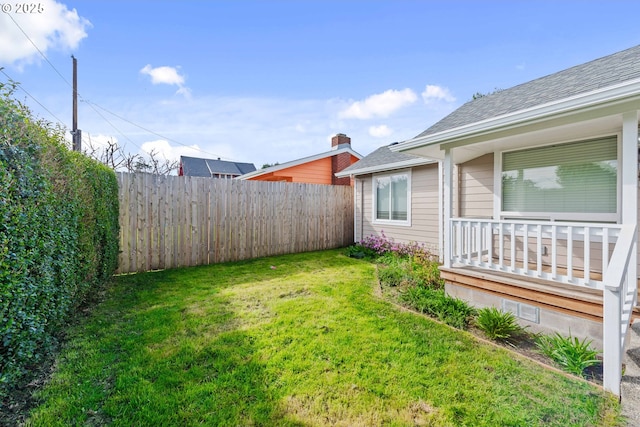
{"x": 391, "y": 198}
{"x": 577, "y": 178}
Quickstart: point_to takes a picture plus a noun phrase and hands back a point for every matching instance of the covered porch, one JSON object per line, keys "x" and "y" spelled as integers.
{"x": 529, "y": 241}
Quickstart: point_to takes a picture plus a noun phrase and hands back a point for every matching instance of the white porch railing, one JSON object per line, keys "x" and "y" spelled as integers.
{"x": 620, "y": 295}
{"x": 583, "y": 254}
{"x": 536, "y": 248}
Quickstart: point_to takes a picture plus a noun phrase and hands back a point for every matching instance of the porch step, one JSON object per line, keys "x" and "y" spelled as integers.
{"x": 577, "y": 301}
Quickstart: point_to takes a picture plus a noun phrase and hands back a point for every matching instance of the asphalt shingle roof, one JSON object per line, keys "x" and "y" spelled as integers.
{"x": 381, "y": 157}
{"x": 195, "y": 166}
{"x": 607, "y": 71}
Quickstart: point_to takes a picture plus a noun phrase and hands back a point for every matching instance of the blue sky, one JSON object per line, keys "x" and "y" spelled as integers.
{"x": 272, "y": 81}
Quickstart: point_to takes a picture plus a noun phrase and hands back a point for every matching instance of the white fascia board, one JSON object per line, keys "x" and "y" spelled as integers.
{"x": 385, "y": 167}
{"x": 597, "y": 98}
{"x": 299, "y": 162}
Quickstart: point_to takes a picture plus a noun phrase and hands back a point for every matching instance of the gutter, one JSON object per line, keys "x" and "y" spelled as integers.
{"x": 611, "y": 95}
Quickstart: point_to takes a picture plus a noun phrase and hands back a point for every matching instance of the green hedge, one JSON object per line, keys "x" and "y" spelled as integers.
{"x": 58, "y": 235}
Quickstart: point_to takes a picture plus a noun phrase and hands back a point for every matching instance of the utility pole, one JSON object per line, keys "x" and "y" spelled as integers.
{"x": 76, "y": 134}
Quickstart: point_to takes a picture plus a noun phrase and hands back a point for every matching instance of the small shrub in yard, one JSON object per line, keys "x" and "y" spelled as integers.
{"x": 498, "y": 325}
{"x": 426, "y": 270}
{"x": 570, "y": 353}
{"x": 392, "y": 275}
{"x": 434, "y": 302}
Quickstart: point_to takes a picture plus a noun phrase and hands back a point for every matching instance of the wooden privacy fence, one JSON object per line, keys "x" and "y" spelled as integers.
{"x": 177, "y": 221}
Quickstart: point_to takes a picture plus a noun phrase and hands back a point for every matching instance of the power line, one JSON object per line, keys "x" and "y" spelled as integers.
{"x": 38, "y": 49}
{"x": 92, "y": 104}
{"x": 31, "y": 96}
{"x": 152, "y": 132}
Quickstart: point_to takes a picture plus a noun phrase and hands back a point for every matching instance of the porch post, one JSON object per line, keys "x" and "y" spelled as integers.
{"x": 612, "y": 322}
{"x": 446, "y": 205}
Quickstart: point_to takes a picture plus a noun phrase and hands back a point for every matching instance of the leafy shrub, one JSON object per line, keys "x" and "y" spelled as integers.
{"x": 426, "y": 270}
{"x": 498, "y": 325}
{"x": 58, "y": 235}
{"x": 381, "y": 245}
{"x": 434, "y": 302}
{"x": 360, "y": 252}
{"x": 570, "y": 353}
{"x": 392, "y": 275}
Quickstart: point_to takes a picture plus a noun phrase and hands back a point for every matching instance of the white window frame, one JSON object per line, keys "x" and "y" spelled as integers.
{"x": 374, "y": 219}
{"x": 556, "y": 216}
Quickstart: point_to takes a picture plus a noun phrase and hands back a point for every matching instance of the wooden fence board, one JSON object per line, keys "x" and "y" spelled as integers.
{"x": 170, "y": 221}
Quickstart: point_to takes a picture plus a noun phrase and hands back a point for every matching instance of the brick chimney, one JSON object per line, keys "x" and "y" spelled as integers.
{"x": 342, "y": 160}
{"x": 340, "y": 140}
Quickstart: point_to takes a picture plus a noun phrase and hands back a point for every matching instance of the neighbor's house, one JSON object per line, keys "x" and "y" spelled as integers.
{"x": 540, "y": 200}
{"x": 318, "y": 169}
{"x": 213, "y": 168}
{"x": 397, "y": 194}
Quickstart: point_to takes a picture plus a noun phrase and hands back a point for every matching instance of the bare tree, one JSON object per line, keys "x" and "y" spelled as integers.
{"x": 115, "y": 157}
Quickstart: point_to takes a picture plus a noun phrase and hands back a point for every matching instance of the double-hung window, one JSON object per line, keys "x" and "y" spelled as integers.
{"x": 391, "y": 198}
{"x": 576, "y": 181}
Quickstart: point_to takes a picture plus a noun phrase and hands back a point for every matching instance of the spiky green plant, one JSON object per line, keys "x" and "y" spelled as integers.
{"x": 498, "y": 325}
{"x": 570, "y": 353}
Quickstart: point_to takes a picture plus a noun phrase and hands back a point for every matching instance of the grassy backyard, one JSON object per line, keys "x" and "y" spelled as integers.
{"x": 296, "y": 340}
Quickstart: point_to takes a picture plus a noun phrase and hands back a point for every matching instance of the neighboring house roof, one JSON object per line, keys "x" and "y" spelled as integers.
{"x": 302, "y": 161}
{"x": 195, "y": 166}
{"x": 383, "y": 159}
{"x": 600, "y": 73}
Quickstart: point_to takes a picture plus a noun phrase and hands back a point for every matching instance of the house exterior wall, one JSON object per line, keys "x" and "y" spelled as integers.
{"x": 424, "y": 210}
{"x": 475, "y": 187}
{"x": 314, "y": 172}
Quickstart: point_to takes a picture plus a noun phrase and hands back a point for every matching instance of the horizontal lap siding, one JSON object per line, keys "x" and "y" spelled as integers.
{"x": 424, "y": 210}
{"x": 316, "y": 172}
{"x": 476, "y": 187}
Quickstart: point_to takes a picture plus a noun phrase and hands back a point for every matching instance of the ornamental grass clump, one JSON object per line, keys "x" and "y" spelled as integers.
{"x": 573, "y": 355}
{"x": 435, "y": 303}
{"x": 498, "y": 325}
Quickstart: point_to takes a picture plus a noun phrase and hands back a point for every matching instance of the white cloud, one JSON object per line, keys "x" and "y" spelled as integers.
{"x": 379, "y": 105}
{"x": 55, "y": 28}
{"x": 164, "y": 150}
{"x": 437, "y": 93}
{"x": 167, "y": 75}
{"x": 381, "y": 131}
{"x": 251, "y": 129}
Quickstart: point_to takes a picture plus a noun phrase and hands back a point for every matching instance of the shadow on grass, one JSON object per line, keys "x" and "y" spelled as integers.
{"x": 164, "y": 348}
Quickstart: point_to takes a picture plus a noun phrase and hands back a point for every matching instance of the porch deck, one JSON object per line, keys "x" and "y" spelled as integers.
{"x": 580, "y": 302}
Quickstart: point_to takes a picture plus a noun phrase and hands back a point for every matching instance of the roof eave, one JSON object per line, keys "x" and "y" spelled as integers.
{"x": 597, "y": 98}
{"x": 299, "y": 162}
{"x": 385, "y": 167}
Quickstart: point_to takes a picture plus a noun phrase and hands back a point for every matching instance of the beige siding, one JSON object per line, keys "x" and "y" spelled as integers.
{"x": 475, "y": 188}
{"x": 424, "y": 210}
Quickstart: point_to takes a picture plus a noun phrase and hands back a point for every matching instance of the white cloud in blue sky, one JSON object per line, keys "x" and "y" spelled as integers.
{"x": 381, "y": 131}
{"x": 434, "y": 93}
{"x": 49, "y": 25}
{"x": 271, "y": 81}
{"x": 380, "y": 105}
{"x": 167, "y": 75}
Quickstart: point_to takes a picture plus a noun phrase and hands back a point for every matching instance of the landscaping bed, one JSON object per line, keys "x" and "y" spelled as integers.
{"x": 408, "y": 275}
{"x": 290, "y": 341}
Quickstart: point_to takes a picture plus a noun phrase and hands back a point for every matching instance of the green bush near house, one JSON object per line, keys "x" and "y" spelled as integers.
{"x": 58, "y": 235}
{"x": 434, "y": 302}
{"x": 573, "y": 355}
{"x": 498, "y": 325}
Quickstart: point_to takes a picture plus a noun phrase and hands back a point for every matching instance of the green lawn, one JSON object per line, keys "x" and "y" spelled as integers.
{"x": 296, "y": 340}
